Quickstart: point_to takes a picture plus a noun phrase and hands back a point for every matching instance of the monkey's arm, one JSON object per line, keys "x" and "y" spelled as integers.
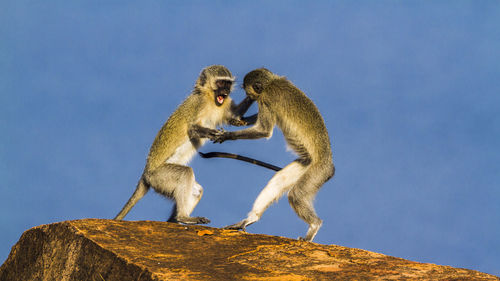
{"x": 262, "y": 129}
{"x": 198, "y": 131}
{"x": 242, "y": 107}
{"x": 235, "y": 116}
{"x": 250, "y": 120}
{"x": 244, "y": 121}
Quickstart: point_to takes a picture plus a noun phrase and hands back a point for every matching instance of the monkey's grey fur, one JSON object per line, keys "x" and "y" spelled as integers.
{"x": 283, "y": 104}
{"x": 196, "y": 119}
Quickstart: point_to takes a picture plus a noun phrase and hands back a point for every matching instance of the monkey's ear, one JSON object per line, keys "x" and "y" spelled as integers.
{"x": 203, "y": 78}
{"x": 257, "y": 87}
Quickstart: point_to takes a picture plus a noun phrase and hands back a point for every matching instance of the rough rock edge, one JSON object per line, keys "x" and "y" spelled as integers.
{"x": 140, "y": 251}
{"x": 46, "y": 268}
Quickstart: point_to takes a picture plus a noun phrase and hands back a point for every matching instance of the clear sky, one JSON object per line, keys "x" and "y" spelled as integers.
{"x": 409, "y": 91}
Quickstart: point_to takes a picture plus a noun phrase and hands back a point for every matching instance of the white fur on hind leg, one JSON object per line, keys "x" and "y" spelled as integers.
{"x": 194, "y": 198}
{"x": 277, "y": 186}
{"x": 312, "y": 231}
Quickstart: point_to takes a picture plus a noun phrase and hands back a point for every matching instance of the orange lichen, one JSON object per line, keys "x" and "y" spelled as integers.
{"x": 204, "y": 232}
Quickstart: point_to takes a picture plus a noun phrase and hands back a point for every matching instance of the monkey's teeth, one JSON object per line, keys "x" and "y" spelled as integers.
{"x": 220, "y": 99}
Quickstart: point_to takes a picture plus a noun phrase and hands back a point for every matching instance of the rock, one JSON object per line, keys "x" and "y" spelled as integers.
{"x": 108, "y": 250}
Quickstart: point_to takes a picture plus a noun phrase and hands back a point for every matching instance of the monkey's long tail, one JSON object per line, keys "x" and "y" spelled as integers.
{"x": 239, "y": 157}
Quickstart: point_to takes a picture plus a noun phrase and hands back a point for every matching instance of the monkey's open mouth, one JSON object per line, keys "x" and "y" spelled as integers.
{"x": 219, "y": 99}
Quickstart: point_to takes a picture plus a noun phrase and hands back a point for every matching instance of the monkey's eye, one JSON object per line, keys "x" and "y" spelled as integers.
{"x": 257, "y": 87}
{"x": 223, "y": 83}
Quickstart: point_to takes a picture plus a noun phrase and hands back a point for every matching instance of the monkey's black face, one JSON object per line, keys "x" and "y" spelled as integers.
{"x": 252, "y": 92}
{"x": 254, "y": 82}
{"x": 222, "y": 91}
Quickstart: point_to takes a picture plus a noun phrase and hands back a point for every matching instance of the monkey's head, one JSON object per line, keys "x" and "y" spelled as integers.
{"x": 255, "y": 82}
{"x": 216, "y": 80}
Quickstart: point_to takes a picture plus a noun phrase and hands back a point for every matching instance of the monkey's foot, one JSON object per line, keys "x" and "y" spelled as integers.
{"x": 304, "y": 239}
{"x": 193, "y": 220}
{"x": 238, "y": 226}
{"x": 203, "y": 220}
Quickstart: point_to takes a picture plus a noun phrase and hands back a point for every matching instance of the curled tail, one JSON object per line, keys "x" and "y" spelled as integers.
{"x": 239, "y": 157}
{"x": 141, "y": 189}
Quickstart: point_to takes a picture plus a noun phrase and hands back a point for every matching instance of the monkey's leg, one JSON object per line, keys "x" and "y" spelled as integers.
{"x": 301, "y": 198}
{"x": 191, "y": 203}
{"x": 194, "y": 199}
{"x": 279, "y": 184}
{"x": 190, "y": 200}
{"x": 173, "y": 214}
{"x": 177, "y": 182}
{"x": 141, "y": 189}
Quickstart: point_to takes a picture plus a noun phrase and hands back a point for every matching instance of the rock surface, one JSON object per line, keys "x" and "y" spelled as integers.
{"x": 108, "y": 250}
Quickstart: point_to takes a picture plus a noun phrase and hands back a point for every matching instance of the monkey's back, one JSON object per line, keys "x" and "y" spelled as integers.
{"x": 300, "y": 120}
{"x": 173, "y": 133}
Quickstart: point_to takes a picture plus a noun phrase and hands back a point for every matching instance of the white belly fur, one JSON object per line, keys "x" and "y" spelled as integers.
{"x": 210, "y": 119}
{"x": 184, "y": 153}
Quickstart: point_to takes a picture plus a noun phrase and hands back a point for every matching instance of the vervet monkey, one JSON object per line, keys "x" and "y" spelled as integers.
{"x": 196, "y": 119}
{"x": 283, "y": 104}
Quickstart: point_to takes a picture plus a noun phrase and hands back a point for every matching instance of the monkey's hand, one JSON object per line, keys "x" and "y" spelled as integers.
{"x": 238, "y": 122}
{"x": 198, "y": 131}
{"x": 220, "y": 136}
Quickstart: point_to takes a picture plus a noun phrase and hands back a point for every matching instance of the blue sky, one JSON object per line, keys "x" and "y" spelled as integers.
{"x": 409, "y": 92}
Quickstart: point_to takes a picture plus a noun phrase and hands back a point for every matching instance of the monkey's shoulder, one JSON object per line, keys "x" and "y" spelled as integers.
{"x": 174, "y": 130}
{"x": 282, "y": 88}
{"x": 281, "y": 93}
{"x": 280, "y": 83}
